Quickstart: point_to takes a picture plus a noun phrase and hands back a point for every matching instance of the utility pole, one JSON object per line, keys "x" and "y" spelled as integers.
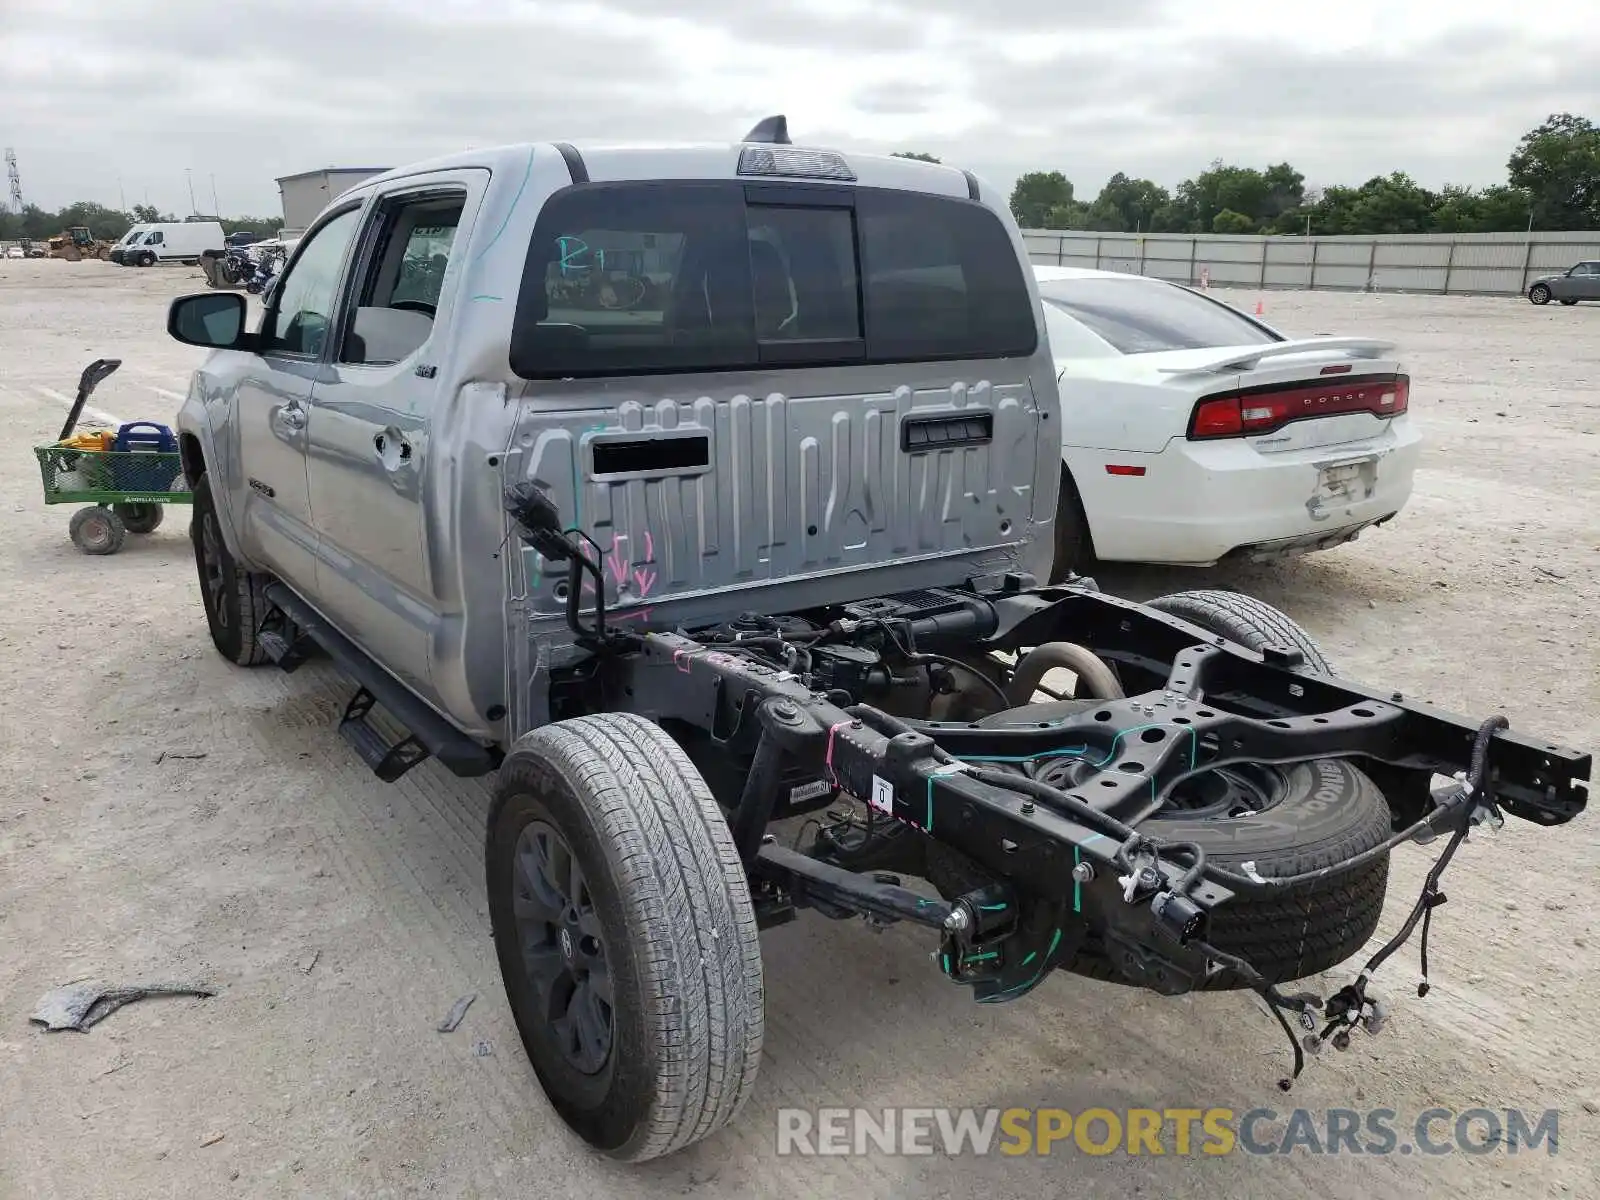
{"x": 121, "y": 195}
{"x": 216, "y": 209}
{"x": 194, "y": 209}
{"x": 14, "y": 179}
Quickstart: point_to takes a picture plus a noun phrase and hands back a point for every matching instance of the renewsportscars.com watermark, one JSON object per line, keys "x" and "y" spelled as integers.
{"x": 1164, "y": 1131}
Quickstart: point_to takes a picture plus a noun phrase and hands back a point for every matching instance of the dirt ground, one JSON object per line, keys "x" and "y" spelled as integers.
{"x": 166, "y": 816}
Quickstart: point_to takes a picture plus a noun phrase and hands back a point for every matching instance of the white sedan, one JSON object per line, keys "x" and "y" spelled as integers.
{"x": 1193, "y": 433}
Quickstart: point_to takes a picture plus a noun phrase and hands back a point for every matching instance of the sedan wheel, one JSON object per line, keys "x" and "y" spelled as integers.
{"x": 1539, "y": 294}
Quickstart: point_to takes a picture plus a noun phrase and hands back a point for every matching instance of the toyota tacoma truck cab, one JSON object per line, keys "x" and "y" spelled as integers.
{"x": 691, "y": 489}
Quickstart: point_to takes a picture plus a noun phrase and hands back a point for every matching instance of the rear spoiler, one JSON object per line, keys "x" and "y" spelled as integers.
{"x": 1234, "y": 360}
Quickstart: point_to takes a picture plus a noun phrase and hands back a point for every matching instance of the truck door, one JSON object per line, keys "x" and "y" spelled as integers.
{"x": 373, "y": 406}
{"x": 274, "y": 398}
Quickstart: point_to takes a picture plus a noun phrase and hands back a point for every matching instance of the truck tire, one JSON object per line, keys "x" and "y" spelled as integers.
{"x": 1244, "y": 619}
{"x": 1284, "y": 820}
{"x": 234, "y": 599}
{"x": 625, "y": 933}
{"x": 1308, "y": 815}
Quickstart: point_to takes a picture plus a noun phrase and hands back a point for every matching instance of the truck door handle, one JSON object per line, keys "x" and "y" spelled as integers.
{"x": 292, "y": 416}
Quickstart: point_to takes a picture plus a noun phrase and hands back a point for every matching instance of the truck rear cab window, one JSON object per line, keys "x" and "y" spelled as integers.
{"x": 646, "y": 278}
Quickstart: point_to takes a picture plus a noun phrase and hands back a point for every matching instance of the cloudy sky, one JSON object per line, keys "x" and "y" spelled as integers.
{"x": 109, "y": 94}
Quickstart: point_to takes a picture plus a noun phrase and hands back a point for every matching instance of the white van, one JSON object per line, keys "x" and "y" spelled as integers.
{"x": 130, "y": 238}
{"x": 170, "y": 241}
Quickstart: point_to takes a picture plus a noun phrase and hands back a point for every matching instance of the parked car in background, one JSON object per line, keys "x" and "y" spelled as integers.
{"x": 1193, "y": 433}
{"x": 1581, "y": 282}
{"x": 14, "y": 252}
{"x": 241, "y": 237}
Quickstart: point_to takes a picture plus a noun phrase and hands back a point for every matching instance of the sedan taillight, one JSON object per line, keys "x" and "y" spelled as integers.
{"x": 1262, "y": 410}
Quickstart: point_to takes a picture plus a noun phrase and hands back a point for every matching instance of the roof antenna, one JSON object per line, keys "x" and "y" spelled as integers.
{"x": 772, "y": 130}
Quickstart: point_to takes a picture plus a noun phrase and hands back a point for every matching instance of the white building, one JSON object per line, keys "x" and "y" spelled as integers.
{"x": 306, "y": 194}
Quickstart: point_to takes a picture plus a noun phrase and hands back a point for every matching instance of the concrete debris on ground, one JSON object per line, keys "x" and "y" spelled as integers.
{"x": 82, "y": 1005}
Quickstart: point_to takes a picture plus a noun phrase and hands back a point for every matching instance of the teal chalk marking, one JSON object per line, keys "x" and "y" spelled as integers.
{"x": 488, "y": 297}
{"x": 1077, "y": 887}
{"x": 1082, "y": 751}
{"x": 991, "y": 908}
{"x": 981, "y": 957}
{"x": 527, "y": 173}
{"x": 1032, "y": 954}
{"x": 944, "y": 961}
{"x": 929, "y": 822}
{"x": 1079, "y": 751}
{"x": 1055, "y": 941}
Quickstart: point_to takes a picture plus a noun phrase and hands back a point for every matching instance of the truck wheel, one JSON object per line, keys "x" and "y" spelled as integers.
{"x": 626, "y": 937}
{"x": 234, "y": 599}
{"x": 1244, "y": 619}
{"x": 1074, "y": 546}
{"x": 97, "y": 530}
{"x": 140, "y": 518}
{"x": 147, "y": 259}
{"x": 1283, "y": 819}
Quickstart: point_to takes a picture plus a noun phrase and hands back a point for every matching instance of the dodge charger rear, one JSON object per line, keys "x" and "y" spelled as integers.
{"x": 1192, "y": 432}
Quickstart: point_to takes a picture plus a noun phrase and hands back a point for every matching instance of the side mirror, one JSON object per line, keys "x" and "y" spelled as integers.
{"x": 210, "y": 320}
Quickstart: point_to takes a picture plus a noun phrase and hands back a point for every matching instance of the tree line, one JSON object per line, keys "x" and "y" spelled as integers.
{"x": 38, "y": 224}
{"x": 1553, "y": 183}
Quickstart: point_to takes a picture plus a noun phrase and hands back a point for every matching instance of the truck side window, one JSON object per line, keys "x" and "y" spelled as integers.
{"x": 155, "y": 239}
{"x": 297, "y": 323}
{"x": 398, "y": 293}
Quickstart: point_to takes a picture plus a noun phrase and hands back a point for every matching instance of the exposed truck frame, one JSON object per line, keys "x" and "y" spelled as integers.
{"x": 817, "y": 598}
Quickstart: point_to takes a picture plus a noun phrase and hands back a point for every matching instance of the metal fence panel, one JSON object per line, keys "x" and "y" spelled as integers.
{"x": 1464, "y": 263}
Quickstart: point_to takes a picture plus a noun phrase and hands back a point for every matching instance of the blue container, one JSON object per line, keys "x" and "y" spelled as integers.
{"x": 145, "y": 436}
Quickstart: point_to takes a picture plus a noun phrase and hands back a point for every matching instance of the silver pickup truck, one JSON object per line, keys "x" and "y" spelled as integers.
{"x": 696, "y": 488}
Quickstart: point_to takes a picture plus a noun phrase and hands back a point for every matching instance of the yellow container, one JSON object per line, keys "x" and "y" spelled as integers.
{"x": 99, "y": 440}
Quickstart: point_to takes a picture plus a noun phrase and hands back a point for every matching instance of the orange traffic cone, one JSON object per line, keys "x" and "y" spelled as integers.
{"x": 1261, "y": 309}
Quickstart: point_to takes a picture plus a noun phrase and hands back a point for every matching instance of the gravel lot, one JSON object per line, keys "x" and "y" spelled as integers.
{"x": 340, "y": 917}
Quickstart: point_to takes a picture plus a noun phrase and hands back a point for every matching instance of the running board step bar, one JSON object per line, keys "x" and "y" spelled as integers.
{"x": 388, "y": 762}
{"x": 428, "y": 733}
{"x": 283, "y": 641}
